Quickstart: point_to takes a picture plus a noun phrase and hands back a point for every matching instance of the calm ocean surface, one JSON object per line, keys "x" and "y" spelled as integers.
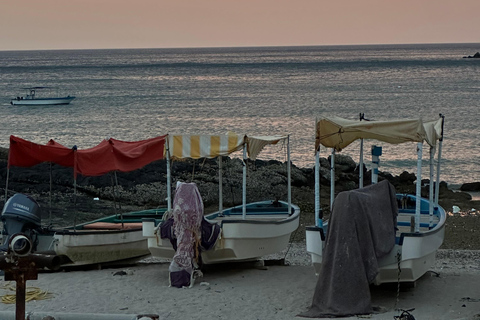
{"x": 139, "y": 94}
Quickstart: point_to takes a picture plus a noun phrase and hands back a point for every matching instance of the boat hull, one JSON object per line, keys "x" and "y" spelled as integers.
{"x": 41, "y": 102}
{"x": 265, "y": 230}
{"x": 414, "y": 253}
{"x": 101, "y": 247}
{"x": 103, "y": 241}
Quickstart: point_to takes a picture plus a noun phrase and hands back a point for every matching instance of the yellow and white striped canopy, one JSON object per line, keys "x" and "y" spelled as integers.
{"x": 204, "y": 146}
{"x": 210, "y": 146}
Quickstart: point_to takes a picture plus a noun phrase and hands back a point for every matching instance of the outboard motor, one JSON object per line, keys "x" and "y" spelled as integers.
{"x": 20, "y": 215}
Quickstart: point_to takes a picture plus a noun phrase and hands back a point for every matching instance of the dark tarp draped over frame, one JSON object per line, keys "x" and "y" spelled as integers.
{"x": 109, "y": 155}
{"x": 361, "y": 230}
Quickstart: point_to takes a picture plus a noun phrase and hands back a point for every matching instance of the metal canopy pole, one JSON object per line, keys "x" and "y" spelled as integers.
{"x": 360, "y": 169}
{"x": 318, "y": 208}
{"x": 50, "y": 197}
{"x": 8, "y": 175}
{"x": 430, "y": 186}
{"x": 440, "y": 141}
{"x": 115, "y": 190}
{"x": 244, "y": 184}
{"x": 318, "y": 218}
{"x": 169, "y": 178}
{"x": 75, "y": 204}
{"x": 419, "y": 187}
{"x": 332, "y": 179}
{"x": 289, "y": 174}
{"x": 220, "y": 186}
{"x": 437, "y": 182}
{"x": 74, "y": 188}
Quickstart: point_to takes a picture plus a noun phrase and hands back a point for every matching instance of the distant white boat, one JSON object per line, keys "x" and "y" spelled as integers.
{"x": 32, "y": 100}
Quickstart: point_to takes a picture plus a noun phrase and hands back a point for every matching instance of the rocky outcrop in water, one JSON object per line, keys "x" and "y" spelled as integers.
{"x": 476, "y": 55}
{"x": 471, "y": 187}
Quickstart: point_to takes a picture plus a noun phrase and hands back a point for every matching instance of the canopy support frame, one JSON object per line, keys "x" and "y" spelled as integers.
{"x": 244, "y": 182}
{"x": 169, "y": 177}
{"x": 220, "y": 186}
{"x": 418, "y": 186}
{"x": 332, "y": 178}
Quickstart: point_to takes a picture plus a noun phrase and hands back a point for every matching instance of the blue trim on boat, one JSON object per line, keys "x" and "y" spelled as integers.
{"x": 407, "y": 224}
{"x": 246, "y": 221}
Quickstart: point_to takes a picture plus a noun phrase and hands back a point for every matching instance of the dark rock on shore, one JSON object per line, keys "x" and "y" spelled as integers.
{"x": 62, "y": 204}
{"x": 476, "y": 55}
{"x": 470, "y": 187}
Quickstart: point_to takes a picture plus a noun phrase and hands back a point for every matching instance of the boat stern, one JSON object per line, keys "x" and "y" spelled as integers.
{"x": 315, "y": 241}
{"x": 158, "y": 247}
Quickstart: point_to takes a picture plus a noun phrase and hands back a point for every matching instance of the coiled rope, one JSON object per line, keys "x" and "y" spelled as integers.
{"x": 32, "y": 293}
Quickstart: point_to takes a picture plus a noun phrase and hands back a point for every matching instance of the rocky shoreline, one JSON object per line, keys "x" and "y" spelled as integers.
{"x": 146, "y": 188}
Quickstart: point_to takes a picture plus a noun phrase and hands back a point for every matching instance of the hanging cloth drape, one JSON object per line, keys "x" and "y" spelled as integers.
{"x": 187, "y": 215}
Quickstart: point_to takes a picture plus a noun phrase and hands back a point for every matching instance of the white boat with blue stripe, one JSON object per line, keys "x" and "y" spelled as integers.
{"x": 31, "y": 99}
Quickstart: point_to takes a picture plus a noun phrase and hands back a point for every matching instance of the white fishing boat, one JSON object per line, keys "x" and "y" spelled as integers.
{"x": 420, "y": 224}
{"x": 31, "y": 99}
{"x": 266, "y": 229}
{"x": 111, "y": 239}
{"x": 248, "y": 231}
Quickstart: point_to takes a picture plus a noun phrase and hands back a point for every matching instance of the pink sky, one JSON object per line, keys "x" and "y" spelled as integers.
{"x": 91, "y": 24}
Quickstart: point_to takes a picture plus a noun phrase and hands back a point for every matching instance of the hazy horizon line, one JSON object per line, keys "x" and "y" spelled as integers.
{"x": 246, "y": 47}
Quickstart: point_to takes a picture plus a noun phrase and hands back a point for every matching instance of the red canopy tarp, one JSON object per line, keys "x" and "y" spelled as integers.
{"x": 109, "y": 155}
{"x": 23, "y": 153}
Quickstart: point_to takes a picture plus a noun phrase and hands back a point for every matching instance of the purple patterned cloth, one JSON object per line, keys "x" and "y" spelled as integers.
{"x": 188, "y": 216}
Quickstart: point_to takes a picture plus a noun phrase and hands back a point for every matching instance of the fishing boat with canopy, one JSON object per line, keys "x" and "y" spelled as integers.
{"x": 418, "y": 230}
{"x": 113, "y": 238}
{"x": 247, "y": 231}
{"x": 373, "y": 235}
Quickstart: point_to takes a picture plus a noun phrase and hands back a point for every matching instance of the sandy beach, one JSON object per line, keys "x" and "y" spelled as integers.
{"x": 246, "y": 291}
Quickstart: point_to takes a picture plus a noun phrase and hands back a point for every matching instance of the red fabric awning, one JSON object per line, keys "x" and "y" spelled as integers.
{"x": 23, "y": 153}
{"x": 109, "y": 155}
{"x": 117, "y": 155}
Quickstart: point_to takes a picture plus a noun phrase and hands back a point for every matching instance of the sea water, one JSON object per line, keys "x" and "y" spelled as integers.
{"x": 142, "y": 93}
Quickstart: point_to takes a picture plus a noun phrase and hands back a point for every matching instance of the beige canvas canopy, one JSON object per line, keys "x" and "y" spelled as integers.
{"x": 434, "y": 131}
{"x": 335, "y": 132}
{"x": 255, "y": 144}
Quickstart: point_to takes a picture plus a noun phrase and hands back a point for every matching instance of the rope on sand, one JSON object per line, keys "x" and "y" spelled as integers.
{"x": 32, "y": 293}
